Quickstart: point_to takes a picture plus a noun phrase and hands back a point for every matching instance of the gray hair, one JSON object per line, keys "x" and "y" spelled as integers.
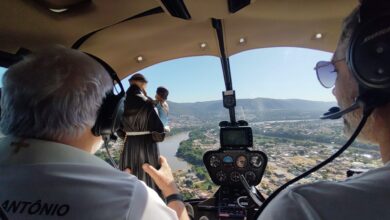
{"x": 349, "y": 25}
{"x": 53, "y": 93}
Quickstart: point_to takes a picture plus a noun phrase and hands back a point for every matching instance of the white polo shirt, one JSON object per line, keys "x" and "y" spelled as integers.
{"x": 365, "y": 196}
{"x": 47, "y": 180}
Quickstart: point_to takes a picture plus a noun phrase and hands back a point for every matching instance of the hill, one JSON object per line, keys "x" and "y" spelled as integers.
{"x": 259, "y": 109}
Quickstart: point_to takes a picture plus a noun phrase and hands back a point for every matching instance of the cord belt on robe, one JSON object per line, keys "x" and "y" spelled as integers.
{"x": 138, "y": 133}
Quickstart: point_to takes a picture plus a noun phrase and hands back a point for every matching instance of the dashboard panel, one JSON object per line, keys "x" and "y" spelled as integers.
{"x": 226, "y": 166}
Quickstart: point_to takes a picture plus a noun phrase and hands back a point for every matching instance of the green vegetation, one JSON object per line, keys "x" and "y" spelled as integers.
{"x": 175, "y": 131}
{"x": 194, "y": 155}
{"x": 188, "y": 195}
{"x": 102, "y": 154}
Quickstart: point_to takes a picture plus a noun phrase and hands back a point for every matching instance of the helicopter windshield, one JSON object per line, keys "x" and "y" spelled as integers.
{"x": 2, "y": 71}
{"x": 244, "y": 101}
{"x": 278, "y": 95}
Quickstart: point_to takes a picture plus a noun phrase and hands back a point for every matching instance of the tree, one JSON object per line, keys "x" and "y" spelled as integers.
{"x": 189, "y": 183}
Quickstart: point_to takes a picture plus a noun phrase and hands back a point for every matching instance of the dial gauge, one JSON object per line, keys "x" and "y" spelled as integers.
{"x": 228, "y": 160}
{"x": 241, "y": 161}
{"x": 235, "y": 176}
{"x": 256, "y": 161}
{"x": 215, "y": 161}
{"x": 250, "y": 176}
{"x": 221, "y": 176}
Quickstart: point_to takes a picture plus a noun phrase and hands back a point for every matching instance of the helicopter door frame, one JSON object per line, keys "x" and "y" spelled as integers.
{"x": 229, "y": 96}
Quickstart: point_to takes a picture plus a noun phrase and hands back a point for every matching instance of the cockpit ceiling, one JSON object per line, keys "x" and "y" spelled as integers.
{"x": 159, "y": 37}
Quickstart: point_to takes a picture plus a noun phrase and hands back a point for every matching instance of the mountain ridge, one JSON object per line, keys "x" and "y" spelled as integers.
{"x": 253, "y": 109}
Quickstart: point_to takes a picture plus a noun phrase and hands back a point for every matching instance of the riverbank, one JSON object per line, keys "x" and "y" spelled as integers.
{"x": 169, "y": 147}
{"x": 195, "y": 182}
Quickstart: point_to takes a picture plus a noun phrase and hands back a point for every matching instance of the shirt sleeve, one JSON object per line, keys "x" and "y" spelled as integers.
{"x": 146, "y": 204}
{"x": 289, "y": 205}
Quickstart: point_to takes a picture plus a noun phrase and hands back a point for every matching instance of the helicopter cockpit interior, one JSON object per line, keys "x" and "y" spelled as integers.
{"x": 130, "y": 35}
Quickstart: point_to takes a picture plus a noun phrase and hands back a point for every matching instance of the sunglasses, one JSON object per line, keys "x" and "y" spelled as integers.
{"x": 326, "y": 73}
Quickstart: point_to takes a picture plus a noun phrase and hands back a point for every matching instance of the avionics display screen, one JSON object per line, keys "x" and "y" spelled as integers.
{"x": 236, "y": 137}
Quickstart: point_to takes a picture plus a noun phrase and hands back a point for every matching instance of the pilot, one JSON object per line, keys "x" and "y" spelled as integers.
{"x": 49, "y": 104}
{"x": 365, "y": 196}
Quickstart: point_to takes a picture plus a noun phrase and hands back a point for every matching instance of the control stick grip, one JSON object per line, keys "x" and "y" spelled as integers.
{"x": 248, "y": 189}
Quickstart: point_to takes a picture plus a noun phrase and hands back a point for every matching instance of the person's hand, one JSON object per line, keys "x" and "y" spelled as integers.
{"x": 162, "y": 177}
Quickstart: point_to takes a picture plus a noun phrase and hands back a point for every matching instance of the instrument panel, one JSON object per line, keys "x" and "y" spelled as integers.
{"x": 226, "y": 166}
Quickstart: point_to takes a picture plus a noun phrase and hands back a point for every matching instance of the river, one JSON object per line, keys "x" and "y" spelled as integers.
{"x": 168, "y": 149}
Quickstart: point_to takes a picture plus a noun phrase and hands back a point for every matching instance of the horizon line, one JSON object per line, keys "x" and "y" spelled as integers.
{"x": 300, "y": 99}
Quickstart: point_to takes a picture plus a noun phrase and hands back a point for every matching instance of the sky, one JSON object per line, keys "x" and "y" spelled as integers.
{"x": 280, "y": 73}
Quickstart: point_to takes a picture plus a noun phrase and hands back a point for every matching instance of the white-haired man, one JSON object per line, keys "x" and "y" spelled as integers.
{"x": 365, "y": 196}
{"x": 49, "y": 104}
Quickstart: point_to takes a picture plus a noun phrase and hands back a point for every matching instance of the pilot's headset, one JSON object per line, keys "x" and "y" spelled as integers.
{"x": 110, "y": 112}
{"x": 368, "y": 55}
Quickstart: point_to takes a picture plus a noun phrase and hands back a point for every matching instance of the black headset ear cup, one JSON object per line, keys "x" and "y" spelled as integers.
{"x": 368, "y": 56}
{"x": 109, "y": 115}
